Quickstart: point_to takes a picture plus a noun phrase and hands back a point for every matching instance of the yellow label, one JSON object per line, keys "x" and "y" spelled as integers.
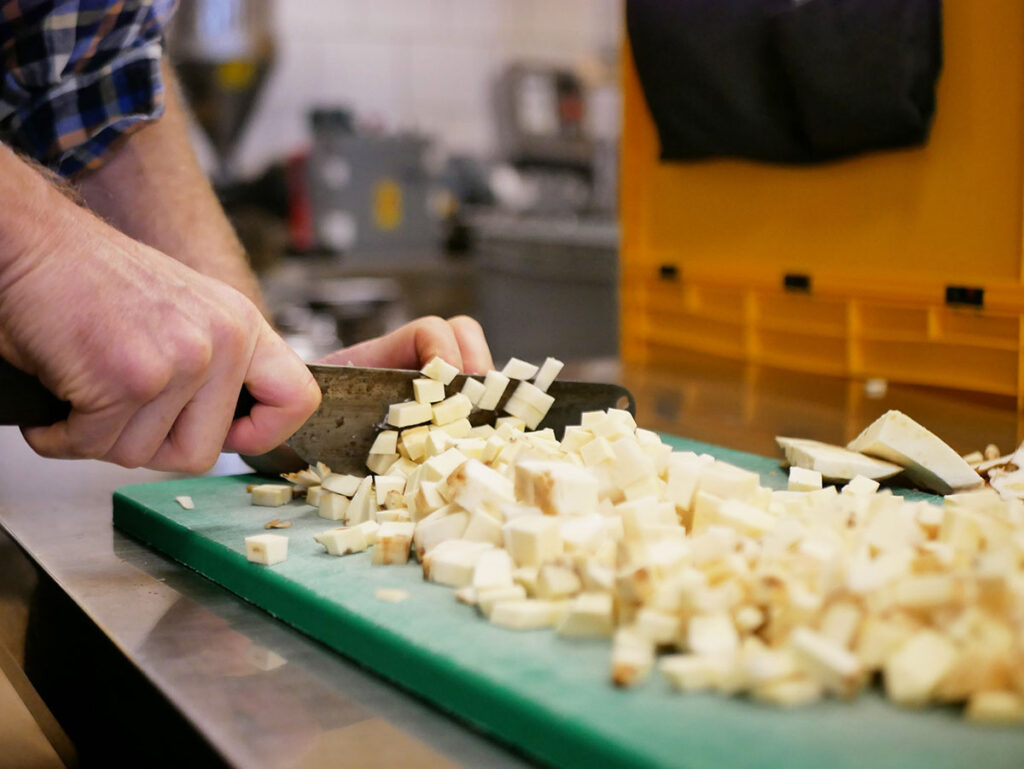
{"x": 387, "y": 204}
{"x": 236, "y": 75}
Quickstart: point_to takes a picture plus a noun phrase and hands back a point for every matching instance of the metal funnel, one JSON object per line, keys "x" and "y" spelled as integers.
{"x": 222, "y": 51}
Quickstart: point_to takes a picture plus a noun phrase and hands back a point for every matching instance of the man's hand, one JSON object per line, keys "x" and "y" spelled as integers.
{"x": 459, "y": 340}
{"x": 151, "y": 354}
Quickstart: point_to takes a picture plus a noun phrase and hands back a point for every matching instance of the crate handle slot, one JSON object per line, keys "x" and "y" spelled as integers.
{"x": 668, "y": 272}
{"x": 974, "y": 297}
{"x": 795, "y": 281}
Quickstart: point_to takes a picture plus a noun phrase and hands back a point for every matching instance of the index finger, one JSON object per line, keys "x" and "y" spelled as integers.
{"x": 410, "y": 346}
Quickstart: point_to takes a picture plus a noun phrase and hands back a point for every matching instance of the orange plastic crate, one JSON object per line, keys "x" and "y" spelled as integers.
{"x": 907, "y": 265}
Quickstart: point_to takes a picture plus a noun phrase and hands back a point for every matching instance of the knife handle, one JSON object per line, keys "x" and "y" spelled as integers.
{"x": 25, "y": 402}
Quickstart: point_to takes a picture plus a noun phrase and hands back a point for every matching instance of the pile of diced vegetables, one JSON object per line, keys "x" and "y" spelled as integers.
{"x": 688, "y": 563}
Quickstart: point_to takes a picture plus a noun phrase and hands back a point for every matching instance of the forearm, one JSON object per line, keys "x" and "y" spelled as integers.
{"x": 152, "y": 189}
{"x": 31, "y": 209}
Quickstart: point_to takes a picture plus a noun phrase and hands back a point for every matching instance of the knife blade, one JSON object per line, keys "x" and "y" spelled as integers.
{"x": 355, "y": 405}
{"x": 353, "y": 409}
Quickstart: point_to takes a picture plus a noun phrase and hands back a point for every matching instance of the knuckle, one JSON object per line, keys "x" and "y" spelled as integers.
{"x": 193, "y": 353}
{"x": 126, "y": 461}
{"x": 466, "y": 322}
{"x": 233, "y": 335}
{"x": 85, "y": 447}
{"x": 433, "y": 323}
{"x": 144, "y": 381}
{"x": 199, "y": 463}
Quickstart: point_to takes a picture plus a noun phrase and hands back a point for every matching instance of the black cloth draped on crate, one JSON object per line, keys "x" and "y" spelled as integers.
{"x": 787, "y": 81}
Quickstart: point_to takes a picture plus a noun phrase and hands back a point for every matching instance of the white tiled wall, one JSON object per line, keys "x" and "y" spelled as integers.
{"x": 423, "y": 64}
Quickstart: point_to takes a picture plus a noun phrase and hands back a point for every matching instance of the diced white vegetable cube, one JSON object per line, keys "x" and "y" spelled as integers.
{"x": 484, "y": 527}
{"x": 557, "y": 488}
{"x": 519, "y": 408}
{"x": 915, "y": 669}
{"x": 533, "y": 396}
{"x": 440, "y": 370}
{"x": 390, "y": 515}
{"x": 597, "y": 451}
{"x": 696, "y": 672}
{"x": 386, "y": 442}
{"x": 384, "y": 485}
{"x": 728, "y": 481}
{"x": 590, "y": 615}
{"x": 550, "y": 369}
{"x": 532, "y": 539}
{"x": 996, "y": 707}
{"x": 364, "y": 503}
{"x": 409, "y": 413}
{"x": 343, "y": 541}
{"x": 381, "y": 464}
{"x": 267, "y": 549}
{"x": 451, "y": 409}
{"x": 414, "y": 441}
{"x": 861, "y": 486}
{"x": 427, "y": 390}
{"x": 431, "y": 531}
{"x": 488, "y": 597}
{"x": 712, "y": 634}
{"x": 493, "y": 569}
{"x": 439, "y": 467}
{"x": 474, "y": 390}
{"x": 458, "y": 429}
{"x": 473, "y": 448}
{"x": 333, "y": 507}
{"x": 512, "y": 423}
{"x": 494, "y": 387}
{"x": 474, "y": 486}
{"x": 802, "y": 479}
{"x": 186, "y": 502}
{"x": 555, "y": 582}
{"x": 789, "y": 692}
{"x": 452, "y": 562}
{"x": 393, "y": 543}
{"x": 342, "y": 484}
{"x": 519, "y": 369}
{"x": 826, "y": 661}
{"x": 529, "y": 614}
{"x": 271, "y": 495}
{"x": 631, "y": 462}
{"x": 632, "y": 657}
{"x": 369, "y": 529}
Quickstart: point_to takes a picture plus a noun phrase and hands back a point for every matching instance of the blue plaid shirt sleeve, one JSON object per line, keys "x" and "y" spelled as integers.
{"x": 76, "y": 75}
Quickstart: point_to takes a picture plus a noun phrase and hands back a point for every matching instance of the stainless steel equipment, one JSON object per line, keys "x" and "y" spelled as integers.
{"x": 548, "y": 286}
{"x": 541, "y": 114}
{"x": 222, "y": 51}
{"x": 368, "y": 193}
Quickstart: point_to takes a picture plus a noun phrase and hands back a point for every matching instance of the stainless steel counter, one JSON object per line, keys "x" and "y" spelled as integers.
{"x": 120, "y": 640}
{"x": 144, "y": 661}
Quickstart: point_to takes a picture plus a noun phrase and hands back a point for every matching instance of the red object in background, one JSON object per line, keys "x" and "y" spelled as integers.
{"x": 570, "y": 108}
{"x": 301, "y": 235}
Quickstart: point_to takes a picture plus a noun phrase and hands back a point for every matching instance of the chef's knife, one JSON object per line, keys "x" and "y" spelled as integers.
{"x": 354, "y": 408}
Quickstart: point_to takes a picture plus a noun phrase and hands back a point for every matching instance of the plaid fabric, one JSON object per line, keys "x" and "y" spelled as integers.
{"x": 77, "y": 75}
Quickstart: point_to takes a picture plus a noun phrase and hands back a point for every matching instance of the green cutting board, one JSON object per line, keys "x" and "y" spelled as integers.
{"x": 547, "y": 696}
